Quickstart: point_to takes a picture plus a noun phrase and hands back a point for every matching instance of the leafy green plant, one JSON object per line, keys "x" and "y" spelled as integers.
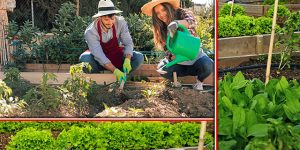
{"x": 205, "y": 30}
{"x": 271, "y": 2}
{"x": 244, "y": 26}
{"x": 75, "y": 90}
{"x": 139, "y": 26}
{"x": 128, "y": 135}
{"x": 282, "y": 14}
{"x": 257, "y": 116}
{"x": 226, "y": 27}
{"x": 68, "y": 40}
{"x": 151, "y": 92}
{"x": 288, "y": 41}
{"x": 226, "y": 8}
{"x": 8, "y": 104}
{"x": 43, "y": 99}
{"x": 13, "y": 79}
{"x": 263, "y": 25}
{"x": 13, "y": 127}
{"x": 32, "y": 139}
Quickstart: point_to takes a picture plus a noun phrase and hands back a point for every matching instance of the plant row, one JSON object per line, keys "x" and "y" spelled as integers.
{"x": 126, "y": 135}
{"x": 253, "y": 115}
{"x": 241, "y": 25}
{"x": 17, "y": 94}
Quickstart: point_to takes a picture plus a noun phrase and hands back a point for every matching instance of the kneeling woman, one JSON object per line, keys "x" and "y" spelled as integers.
{"x": 166, "y": 15}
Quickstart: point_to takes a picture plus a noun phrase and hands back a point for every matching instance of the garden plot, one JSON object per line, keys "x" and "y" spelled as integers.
{"x": 81, "y": 97}
{"x": 105, "y": 135}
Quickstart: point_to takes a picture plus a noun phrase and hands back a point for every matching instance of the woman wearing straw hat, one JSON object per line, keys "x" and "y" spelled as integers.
{"x": 166, "y": 15}
{"x": 104, "y": 37}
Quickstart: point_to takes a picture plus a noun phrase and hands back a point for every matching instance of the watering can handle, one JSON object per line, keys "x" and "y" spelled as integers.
{"x": 183, "y": 28}
{"x": 168, "y": 37}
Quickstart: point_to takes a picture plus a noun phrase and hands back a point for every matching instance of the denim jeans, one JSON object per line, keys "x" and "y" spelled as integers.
{"x": 136, "y": 61}
{"x": 202, "y": 68}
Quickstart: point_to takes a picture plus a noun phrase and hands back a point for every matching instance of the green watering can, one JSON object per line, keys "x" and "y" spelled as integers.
{"x": 184, "y": 45}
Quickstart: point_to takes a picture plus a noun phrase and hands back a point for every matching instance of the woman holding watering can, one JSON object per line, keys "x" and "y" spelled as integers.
{"x": 166, "y": 17}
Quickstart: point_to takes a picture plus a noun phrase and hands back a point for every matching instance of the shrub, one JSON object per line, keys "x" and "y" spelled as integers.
{"x": 32, "y": 139}
{"x": 283, "y": 14}
{"x": 13, "y": 79}
{"x": 139, "y": 26}
{"x": 226, "y": 8}
{"x": 282, "y": 11}
{"x": 205, "y": 30}
{"x": 244, "y": 26}
{"x": 263, "y": 25}
{"x": 226, "y": 27}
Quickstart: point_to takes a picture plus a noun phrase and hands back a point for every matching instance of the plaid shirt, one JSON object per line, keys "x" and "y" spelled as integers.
{"x": 189, "y": 17}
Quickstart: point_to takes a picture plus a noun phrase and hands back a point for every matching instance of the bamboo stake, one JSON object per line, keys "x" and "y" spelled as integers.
{"x": 202, "y": 133}
{"x": 231, "y": 8}
{"x": 271, "y": 42}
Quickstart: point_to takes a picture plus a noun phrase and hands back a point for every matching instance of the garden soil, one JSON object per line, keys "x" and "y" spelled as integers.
{"x": 260, "y": 73}
{"x": 148, "y": 99}
{"x": 155, "y": 101}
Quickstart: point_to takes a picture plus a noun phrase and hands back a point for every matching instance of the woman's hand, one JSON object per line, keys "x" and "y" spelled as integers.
{"x": 173, "y": 57}
{"x": 172, "y": 28}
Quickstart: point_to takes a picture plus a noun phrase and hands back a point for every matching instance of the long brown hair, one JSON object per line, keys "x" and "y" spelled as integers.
{"x": 159, "y": 27}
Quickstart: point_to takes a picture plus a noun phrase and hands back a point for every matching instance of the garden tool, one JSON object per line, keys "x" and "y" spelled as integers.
{"x": 122, "y": 82}
{"x": 184, "y": 45}
{"x": 176, "y": 83}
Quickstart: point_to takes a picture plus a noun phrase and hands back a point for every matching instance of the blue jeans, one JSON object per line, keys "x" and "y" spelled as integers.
{"x": 136, "y": 61}
{"x": 202, "y": 68}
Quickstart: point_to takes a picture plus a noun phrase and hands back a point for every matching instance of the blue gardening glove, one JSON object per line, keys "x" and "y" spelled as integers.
{"x": 172, "y": 28}
{"x": 120, "y": 75}
{"x": 126, "y": 65}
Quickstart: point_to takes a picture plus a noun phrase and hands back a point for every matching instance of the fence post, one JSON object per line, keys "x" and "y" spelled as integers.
{"x": 32, "y": 13}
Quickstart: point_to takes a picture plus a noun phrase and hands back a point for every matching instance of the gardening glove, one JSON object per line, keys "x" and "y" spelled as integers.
{"x": 120, "y": 75}
{"x": 126, "y": 65}
{"x": 161, "y": 66}
{"x": 172, "y": 28}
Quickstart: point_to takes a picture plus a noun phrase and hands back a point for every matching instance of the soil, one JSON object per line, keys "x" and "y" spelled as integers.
{"x": 4, "y": 139}
{"x": 138, "y": 99}
{"x": 260, "y": 73}
{"x": 161, "y": 101}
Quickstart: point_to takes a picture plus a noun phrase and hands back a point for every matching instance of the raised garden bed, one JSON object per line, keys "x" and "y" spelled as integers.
{"x": 235, "y": 50}
{"x": 255, "y": 67}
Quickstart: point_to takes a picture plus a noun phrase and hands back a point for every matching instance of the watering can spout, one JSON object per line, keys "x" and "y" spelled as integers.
{"x": 177, "y": 60}
{"x": 183, "y": 45}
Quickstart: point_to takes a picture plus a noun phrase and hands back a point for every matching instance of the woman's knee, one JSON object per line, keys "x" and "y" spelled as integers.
{"x": 86, "y": 58}
{"x": 208, "y": 67}
{"x": 139, "y": 57}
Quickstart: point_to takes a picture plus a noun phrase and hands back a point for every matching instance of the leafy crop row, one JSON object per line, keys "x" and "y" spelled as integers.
{"x": 253, "y": 115}
{"x": 127, "y": 135}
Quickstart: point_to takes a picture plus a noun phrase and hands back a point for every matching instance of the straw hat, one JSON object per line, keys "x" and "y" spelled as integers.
{"x": 106, "y": 7}
{"x": 147, "y": 8}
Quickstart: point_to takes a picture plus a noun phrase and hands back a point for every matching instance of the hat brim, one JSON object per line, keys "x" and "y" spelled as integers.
{"x": 103, "y": 13}
{"x": 147, "y": 8}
